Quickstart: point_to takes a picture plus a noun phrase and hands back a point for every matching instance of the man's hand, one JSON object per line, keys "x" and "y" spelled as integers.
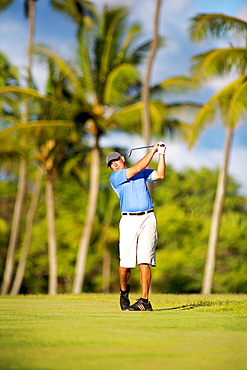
{"x": 161, "y": 148}
{"x": 159, "y": 174}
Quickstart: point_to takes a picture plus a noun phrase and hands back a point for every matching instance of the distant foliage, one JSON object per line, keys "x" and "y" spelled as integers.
{"x": 183, "y": 205}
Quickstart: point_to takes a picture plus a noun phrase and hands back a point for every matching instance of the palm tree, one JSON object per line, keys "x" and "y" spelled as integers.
{"x": 146, "y": 131}
{"x": 230, "y": 102}
{"x": 50, "y": 152}
{"x": 43, "y": 135}
{"x": 22, "y": 181}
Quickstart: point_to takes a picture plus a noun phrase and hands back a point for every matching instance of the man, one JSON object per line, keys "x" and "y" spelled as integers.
{"x": 138, "y": 235}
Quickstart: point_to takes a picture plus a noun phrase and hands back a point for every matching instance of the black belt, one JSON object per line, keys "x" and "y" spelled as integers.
{"x": 137, "y": 213}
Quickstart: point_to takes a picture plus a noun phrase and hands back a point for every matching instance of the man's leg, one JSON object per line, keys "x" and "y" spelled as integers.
{"x": 124, "y": 275}
{"x": 143, "y": 303}
{"x": 145, "y": 279}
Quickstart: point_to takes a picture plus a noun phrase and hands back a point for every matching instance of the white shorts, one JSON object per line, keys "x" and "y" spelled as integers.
{"x": 138, "y": 240}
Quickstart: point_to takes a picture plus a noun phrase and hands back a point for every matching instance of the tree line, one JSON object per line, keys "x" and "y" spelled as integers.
{"x": 183, "y": 204}
{"x": 101, "y": 89}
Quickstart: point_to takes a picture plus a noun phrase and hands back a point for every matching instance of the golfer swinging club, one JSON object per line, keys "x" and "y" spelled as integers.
{"x": 138, "y": 235}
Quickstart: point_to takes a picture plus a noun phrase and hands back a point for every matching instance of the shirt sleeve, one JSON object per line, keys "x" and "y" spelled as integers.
{"x": 118, "y": 177}
{"x": 148, "y": 174}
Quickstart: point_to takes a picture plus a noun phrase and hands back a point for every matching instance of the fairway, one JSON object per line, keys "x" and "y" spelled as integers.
{"x": 89, "y": 331}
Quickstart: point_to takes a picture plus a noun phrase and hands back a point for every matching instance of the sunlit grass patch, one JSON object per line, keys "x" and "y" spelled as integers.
{"x": 89, "y": 331}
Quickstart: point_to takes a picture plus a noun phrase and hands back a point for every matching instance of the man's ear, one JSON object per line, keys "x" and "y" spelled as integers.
{"x": 122, "y": 157}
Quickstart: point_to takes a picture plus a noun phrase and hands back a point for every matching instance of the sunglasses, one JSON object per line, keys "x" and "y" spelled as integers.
{"x": 113, "y": 160}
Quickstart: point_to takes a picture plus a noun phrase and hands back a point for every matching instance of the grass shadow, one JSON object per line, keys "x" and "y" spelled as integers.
{"x": 184, "y": 307}
{"x": 193, "y": 305}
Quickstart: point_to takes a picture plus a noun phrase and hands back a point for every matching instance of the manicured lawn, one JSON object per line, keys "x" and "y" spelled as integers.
{"x": 90, "y": 331}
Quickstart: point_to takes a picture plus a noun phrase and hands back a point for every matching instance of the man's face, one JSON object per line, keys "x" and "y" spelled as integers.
{"x": 117, "y": 164}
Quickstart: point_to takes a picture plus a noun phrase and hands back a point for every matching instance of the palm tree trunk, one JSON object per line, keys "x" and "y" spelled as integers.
{"x": 216, "y": 217}
{"x": 15, "y": 228}
{"x": 52, "y": 244}
{"x": 146, "y": 127}
{"x": 90, "y": 215}
{"x": 28, "y": 234}
{"x": 31, "y": 20}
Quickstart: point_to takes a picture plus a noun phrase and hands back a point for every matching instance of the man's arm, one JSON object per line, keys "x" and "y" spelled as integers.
{"x": 160, "y": 173}
{"x": 142, "y": 163}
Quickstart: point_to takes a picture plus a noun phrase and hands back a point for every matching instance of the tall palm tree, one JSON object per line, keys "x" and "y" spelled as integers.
{"x": 230, "y": 103}
{"x": 52, "y": 153}
{"x": 22, "y": 180}
{"x": 146, "y": 131}
{"x": 49, "y": 137}
{"x": 38, "y": 131}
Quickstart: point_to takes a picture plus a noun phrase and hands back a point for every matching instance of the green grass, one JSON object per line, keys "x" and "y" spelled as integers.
{"x": 90, "y": 332}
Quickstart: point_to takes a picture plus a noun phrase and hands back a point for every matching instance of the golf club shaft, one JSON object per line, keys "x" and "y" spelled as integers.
{"x": 140, "y": 147}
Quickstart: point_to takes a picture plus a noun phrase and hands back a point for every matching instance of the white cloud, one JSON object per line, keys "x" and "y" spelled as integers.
{"x": 219, "y": 83}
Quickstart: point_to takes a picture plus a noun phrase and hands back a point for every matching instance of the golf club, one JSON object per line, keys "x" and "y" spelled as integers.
{"x": 140, "y": 147}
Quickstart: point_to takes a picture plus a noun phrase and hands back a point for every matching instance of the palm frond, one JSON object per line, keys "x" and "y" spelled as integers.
{"x": 53, "y": 105}
{"x": 131, "y": 117}
{"x": 138, "y": 54}
{"x": 9, "y": 74}
{"x": 236, "y": 110}
{"x": 9, "y": 155}
{"x": 183, "y": 111}
{"x": 44, "y": 53}
{"x": 32, "y": 93}
{"x": 118, "y": 82}
{"x": 79, "y": 11}
{"x": 113, "y": 27}
{"x": 176, "y": 128}
{"x": 10, "y": 149}
{"x": 176, "y": 118}
{"x": 30, "y": 127}
{"x": 129, "y": 38}
{"x": 87, "y": 65}
{"x": 230, "y": 103}
{"x": 174, "y": 85}
{"x": 218, "y": 62}
{"x": 4, "y": 4}
{"x": 206, "y": 116}
{"x": 217, "y": 25}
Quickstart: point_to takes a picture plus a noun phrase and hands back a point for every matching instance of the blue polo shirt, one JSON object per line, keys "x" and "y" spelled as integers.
{"x": 133, "y": 193}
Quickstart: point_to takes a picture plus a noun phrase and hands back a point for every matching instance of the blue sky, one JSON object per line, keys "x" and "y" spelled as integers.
{"x": 55, "y": 30}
